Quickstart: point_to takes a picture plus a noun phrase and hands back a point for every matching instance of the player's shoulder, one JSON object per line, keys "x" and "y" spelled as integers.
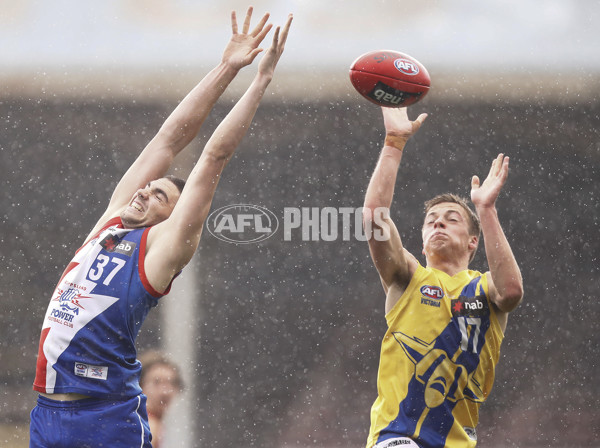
{"x": 103, "y": 223}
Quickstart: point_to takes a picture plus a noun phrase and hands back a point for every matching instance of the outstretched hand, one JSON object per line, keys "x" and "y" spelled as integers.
{"x": 485, "y": 195}
{"x": 242, "y": 49}
{"x": 271, "y": 57}
{"x": 397, "y": 124}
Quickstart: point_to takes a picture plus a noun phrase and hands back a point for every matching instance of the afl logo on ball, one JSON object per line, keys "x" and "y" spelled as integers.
{"x": 406, "y": 66}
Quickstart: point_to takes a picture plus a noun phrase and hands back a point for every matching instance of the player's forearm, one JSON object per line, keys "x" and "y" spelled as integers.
{"x": 380, "y": 191}
{"x": 502, "y": 263}
{"x": 184, "y": 123}
{"x": 193, "y": 206}
{"x": 234, "y": 127}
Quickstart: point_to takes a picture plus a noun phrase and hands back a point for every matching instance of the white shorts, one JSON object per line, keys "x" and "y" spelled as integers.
{"x": 397, "y": 442}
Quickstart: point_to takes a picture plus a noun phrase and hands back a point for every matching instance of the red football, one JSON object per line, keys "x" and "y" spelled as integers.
{"x": 389, "y": 78}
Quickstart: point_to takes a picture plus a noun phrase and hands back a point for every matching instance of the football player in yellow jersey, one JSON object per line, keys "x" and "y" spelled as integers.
{"x": 445, "y": 322}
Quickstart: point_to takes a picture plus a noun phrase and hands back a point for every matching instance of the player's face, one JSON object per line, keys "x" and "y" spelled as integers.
{"x": 446, "y": 231}
{"x": 160, "y": 386}
{"x": 151, "y": 204}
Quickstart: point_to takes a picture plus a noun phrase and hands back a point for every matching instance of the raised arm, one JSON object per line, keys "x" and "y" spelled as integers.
{"x": 184, "y": 123}
{"x": 394, "y": 264}
{"x": 172, "y": 243}
{"x": 506, "y": 285}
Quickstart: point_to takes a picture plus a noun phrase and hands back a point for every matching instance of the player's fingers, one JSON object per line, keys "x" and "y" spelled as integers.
{"x": 276, "y": 37}
{"x": 493, "y": 168}
{"x": 234, "y": 26}
{"x": 504, "y": 169}
{"x": 263, "y": 33}
{"x": 399, "y": 113}
{"x": 421, "y": 118}
{"x": 384, "y": 112}
{"x": 257, "y": 29}
{"x": 392, "y": 116}
{"x": 254, "y": 53}
{"x": 475, "y": 183}
{"x": 499, "y": 163}
{"x": 246, "y": 26}
{"x": 286, "y": 29}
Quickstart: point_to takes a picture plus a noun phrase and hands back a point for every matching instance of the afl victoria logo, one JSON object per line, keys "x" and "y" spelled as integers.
{"x": 432, "y": 292}
{"x": 406, "y": 66}
{"x": 242, "y": 223}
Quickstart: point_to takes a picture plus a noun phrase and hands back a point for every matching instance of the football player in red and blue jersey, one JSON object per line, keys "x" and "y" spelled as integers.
{"x": 87, "y": 373}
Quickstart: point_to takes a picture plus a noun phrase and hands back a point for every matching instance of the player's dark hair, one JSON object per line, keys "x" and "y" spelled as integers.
{"x": 474, "y": 223}
{"x": 179, "y": 183}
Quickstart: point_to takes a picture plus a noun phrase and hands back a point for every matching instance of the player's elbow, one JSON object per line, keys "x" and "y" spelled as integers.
{"x": 376, "y": 223}
{"x": 173, "y": 138}
{"x": 511, "y": 297}
{"x": 373, "y": 215}
{"x": 367, "y": 214}
{"x": 217, "y": 154}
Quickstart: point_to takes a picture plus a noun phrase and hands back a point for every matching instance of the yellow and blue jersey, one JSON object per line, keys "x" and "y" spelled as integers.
{"x": 437, "y": 360}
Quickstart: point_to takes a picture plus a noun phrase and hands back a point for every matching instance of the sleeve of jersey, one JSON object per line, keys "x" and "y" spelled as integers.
{"x": 142, "y": 271}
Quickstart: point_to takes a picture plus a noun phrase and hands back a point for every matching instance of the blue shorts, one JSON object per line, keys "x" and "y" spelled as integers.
{"x": 90, "y": 423}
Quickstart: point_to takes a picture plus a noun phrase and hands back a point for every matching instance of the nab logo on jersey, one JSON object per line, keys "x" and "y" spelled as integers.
{"x": 112, "y": 243}
{"x": 470, "y": 306}
{"x": 125, "y": 248}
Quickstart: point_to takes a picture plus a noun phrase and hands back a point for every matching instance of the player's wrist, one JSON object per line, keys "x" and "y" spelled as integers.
{"x": 265, "y": 76}
{"x": 395, "y": 141}
{"x": 230, "y": 66}
{"x": 486, "y": 210}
